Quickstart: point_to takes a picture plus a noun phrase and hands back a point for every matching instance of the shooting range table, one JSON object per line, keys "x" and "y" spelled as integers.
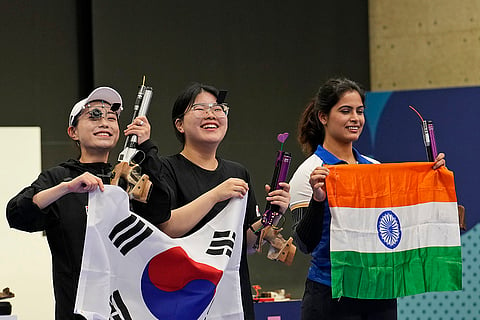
{"x": 278, "y": 310}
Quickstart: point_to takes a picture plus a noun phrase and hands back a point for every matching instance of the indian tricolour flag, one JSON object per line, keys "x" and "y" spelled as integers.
{"x": 394, "y": 230}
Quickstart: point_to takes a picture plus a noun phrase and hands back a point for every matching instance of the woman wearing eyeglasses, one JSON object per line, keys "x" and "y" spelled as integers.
{"x": 202, "y": 183}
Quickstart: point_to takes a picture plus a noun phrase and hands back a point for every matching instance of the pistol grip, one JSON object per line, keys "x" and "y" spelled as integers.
{"x": 129, "y": 178}
{"x": 141, "y": 190}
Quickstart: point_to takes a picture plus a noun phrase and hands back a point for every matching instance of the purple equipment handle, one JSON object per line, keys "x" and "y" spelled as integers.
{"x": 431, "y": 133}
{"x": 282, "y": 164}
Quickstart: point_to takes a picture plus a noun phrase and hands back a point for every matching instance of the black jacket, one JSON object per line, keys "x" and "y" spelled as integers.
{"x": 64, "y": 223}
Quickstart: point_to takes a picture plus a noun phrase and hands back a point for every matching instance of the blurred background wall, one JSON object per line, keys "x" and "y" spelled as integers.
{"x": 420, "y": 44}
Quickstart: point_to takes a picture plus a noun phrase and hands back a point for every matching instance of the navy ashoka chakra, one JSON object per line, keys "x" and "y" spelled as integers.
{"x": 388, "y": 229}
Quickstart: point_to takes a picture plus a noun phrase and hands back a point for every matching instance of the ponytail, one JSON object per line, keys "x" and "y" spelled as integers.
{"x": 310, "y": 130}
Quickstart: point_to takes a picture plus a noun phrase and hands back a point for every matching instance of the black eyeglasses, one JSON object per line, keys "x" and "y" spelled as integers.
{"x": 201, "y": 110}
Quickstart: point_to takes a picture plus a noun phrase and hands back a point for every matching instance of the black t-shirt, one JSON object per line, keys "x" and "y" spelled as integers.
{"x": 188, "y": 181}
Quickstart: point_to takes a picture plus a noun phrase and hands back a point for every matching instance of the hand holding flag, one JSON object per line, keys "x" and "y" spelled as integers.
{"x": 317, "y": 181}
{"x": 394, "y": 230}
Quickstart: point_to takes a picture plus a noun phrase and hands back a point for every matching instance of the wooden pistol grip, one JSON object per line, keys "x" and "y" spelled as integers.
{"x": 282, "y": 250}
{"x": 141, "y": 190}
{"x": 121, "y": 170}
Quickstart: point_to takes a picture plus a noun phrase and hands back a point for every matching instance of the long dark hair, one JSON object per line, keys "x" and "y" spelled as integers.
{"x": 185, "y": 100}
{"x": 311, "y": 132}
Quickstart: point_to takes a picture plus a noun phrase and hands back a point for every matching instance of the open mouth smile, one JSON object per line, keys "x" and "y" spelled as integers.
{"x": 209, "y": 126}
{"x": 103, "y": 134}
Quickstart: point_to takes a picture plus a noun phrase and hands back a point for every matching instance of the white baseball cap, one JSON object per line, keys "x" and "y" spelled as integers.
{"x": 106, "y": 94}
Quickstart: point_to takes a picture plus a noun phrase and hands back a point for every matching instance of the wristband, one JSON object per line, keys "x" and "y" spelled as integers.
{"x": 255, "y": 231}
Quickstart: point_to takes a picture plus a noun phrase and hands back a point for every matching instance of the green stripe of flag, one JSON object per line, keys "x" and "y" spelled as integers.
{"x": 396, "y": 274}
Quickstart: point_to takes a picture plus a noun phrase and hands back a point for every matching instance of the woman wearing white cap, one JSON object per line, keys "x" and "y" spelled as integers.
{"x": 57, "y": 201}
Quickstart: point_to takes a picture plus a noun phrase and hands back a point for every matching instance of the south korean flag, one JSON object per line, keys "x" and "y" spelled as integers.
{"x": 132, "y": 270}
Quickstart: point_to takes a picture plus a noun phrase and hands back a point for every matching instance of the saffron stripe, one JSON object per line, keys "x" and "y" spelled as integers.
{"x": 414, "y": 183}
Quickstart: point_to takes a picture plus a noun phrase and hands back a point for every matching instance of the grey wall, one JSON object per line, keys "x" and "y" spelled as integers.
{"x": 271, "y": 56}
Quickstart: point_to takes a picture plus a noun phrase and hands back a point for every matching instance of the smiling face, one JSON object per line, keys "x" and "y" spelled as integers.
{"x": 344, "y": 123}
{"x": 208, "y": 129}
{"x": 97, "y": 130}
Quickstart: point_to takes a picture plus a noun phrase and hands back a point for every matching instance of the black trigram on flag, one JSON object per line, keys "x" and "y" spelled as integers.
{"x": 222, "y": 243}
{"x": 118, "y": 309}
{"x": 129, "y": 233}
